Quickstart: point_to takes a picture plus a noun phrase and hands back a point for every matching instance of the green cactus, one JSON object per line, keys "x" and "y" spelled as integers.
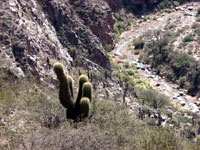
{"x": 58, "y": 69}
{"x": 82, "y": 106}
{"x": 85, "y": 107}
{"x": 82, "y": 79}
{"x": 87, "y": 90}
{"x": 64, "y": 90}
{"x": 71, "y": 85}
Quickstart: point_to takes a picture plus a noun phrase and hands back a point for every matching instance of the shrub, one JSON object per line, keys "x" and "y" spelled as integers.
{"x": 177, "y": 66}
{"x": 179, "y": 31}
{"x": 176, "y": 3}
{"x": 108, "y": 47}
{"x": 136, "y": 52}
{"x": 197, "y": 31}
{"x": 138, "y": 43}
{"x": 131, "y": 72}
{"x": 195, "y": 26}
{"x": 147, "y": 17}
{"x": 188, "y": 38}
{"x": 154, "y": 98}
{"x": 168, "y": 10}
{"x": 120, "y": 27}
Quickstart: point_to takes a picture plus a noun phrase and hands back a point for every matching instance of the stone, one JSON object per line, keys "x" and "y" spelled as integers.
{"x": 182, "y": 103}
{"x": 181, "y": 94}
{"x": 157, "y": 84}
{"x": 190, "y": 8}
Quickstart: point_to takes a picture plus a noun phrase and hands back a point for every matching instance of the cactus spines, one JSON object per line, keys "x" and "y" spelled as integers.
{"x": 87, "y": 90}
{"x": 85, "y": 107}
{"x": 71, "y": 85}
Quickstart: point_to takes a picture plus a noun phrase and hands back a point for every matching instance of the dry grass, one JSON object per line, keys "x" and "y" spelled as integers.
{"x": 34, "y": 119}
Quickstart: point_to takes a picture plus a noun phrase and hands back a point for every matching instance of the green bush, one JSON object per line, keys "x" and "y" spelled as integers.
{"x": 195, "y": 26}
{"x": 168, "y": 10}
{"x": 188, "y": 38}
{"x": 154, "y": 98}
{"x": 176, "y": 3}
{"x": 131, "y": 72}
{"x": 139, "y": 43}
{"x": 179, "y": 31}
{"x": 174, "y": 65}
{"x": 108, "y": 47}
{"x": 120, "y": 27}
{"x": 197, "y": 31}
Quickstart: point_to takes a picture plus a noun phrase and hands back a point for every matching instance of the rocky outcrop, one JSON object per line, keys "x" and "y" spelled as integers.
{"x": 97, "y": 15}
{"x": 115, "y": 4}
{"x": 34, "y": 34}
{"x": 29, "y": 40}
{"x": 71, "y": 31}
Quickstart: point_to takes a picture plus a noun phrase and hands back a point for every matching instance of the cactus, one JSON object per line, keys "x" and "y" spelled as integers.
{"x": 85, "y": 107}
{"x": 82, "y": 80}
{"x": 64, "y": 90}
{"x": 58, "y": 69}
{"x": 87, "y": 90}
{"x": 82, "y": 106}
{"x": 71, "y": 85}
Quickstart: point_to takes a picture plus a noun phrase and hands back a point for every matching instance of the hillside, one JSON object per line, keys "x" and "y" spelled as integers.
{"x": 141, "y": 57}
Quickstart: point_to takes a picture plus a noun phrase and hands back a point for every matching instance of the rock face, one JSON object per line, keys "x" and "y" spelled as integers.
{"x": 71, "y": 31}
{"x": 97, "y": 15}
{"x": 115, "y": 4}
{"x": 36, "y": 33}
{"x": 29, "y": 38}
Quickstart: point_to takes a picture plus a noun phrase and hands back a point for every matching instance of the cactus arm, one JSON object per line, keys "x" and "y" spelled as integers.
{"x": 85, "y": 107}
{"x": 71, "y": 85}
{"x": 64, "y": 91}
{"x": 87, "y": 90}
{"x": 82, "y": 80}
{"x": 65, "y": 94}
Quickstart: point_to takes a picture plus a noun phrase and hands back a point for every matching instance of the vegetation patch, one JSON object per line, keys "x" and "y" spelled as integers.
{"x": 188, "y": 38}
{"x": 176, "y": 66}
{"x": 138, "y": 43}
{"x": 120, "y": 27}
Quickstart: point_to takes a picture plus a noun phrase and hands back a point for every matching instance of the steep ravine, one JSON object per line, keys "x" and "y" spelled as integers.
{"x": 122, "y": 54}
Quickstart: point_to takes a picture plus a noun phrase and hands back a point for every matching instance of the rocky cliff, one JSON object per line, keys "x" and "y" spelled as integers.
{"x": 97, "y": 15}
{"x": 34, "y": 34}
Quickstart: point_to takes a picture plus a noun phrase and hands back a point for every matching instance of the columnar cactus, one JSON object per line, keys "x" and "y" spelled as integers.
{"x": 71, "y": 85}
{"x": 82, "y": 79}
{"x": 85, "y": 107}
{"x": 64, "y": 88}
{"x": 87, "y": 90}
{"x": 82, "y": 105}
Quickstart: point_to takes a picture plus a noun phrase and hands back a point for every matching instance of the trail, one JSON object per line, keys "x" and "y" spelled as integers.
{"x": 122, "y": 54}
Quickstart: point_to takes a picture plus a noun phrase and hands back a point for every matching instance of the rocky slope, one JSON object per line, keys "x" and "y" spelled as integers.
{"x": 97, "y": 15}
{"x": 183, "y": 18}
{"x": 35, "y": 34}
